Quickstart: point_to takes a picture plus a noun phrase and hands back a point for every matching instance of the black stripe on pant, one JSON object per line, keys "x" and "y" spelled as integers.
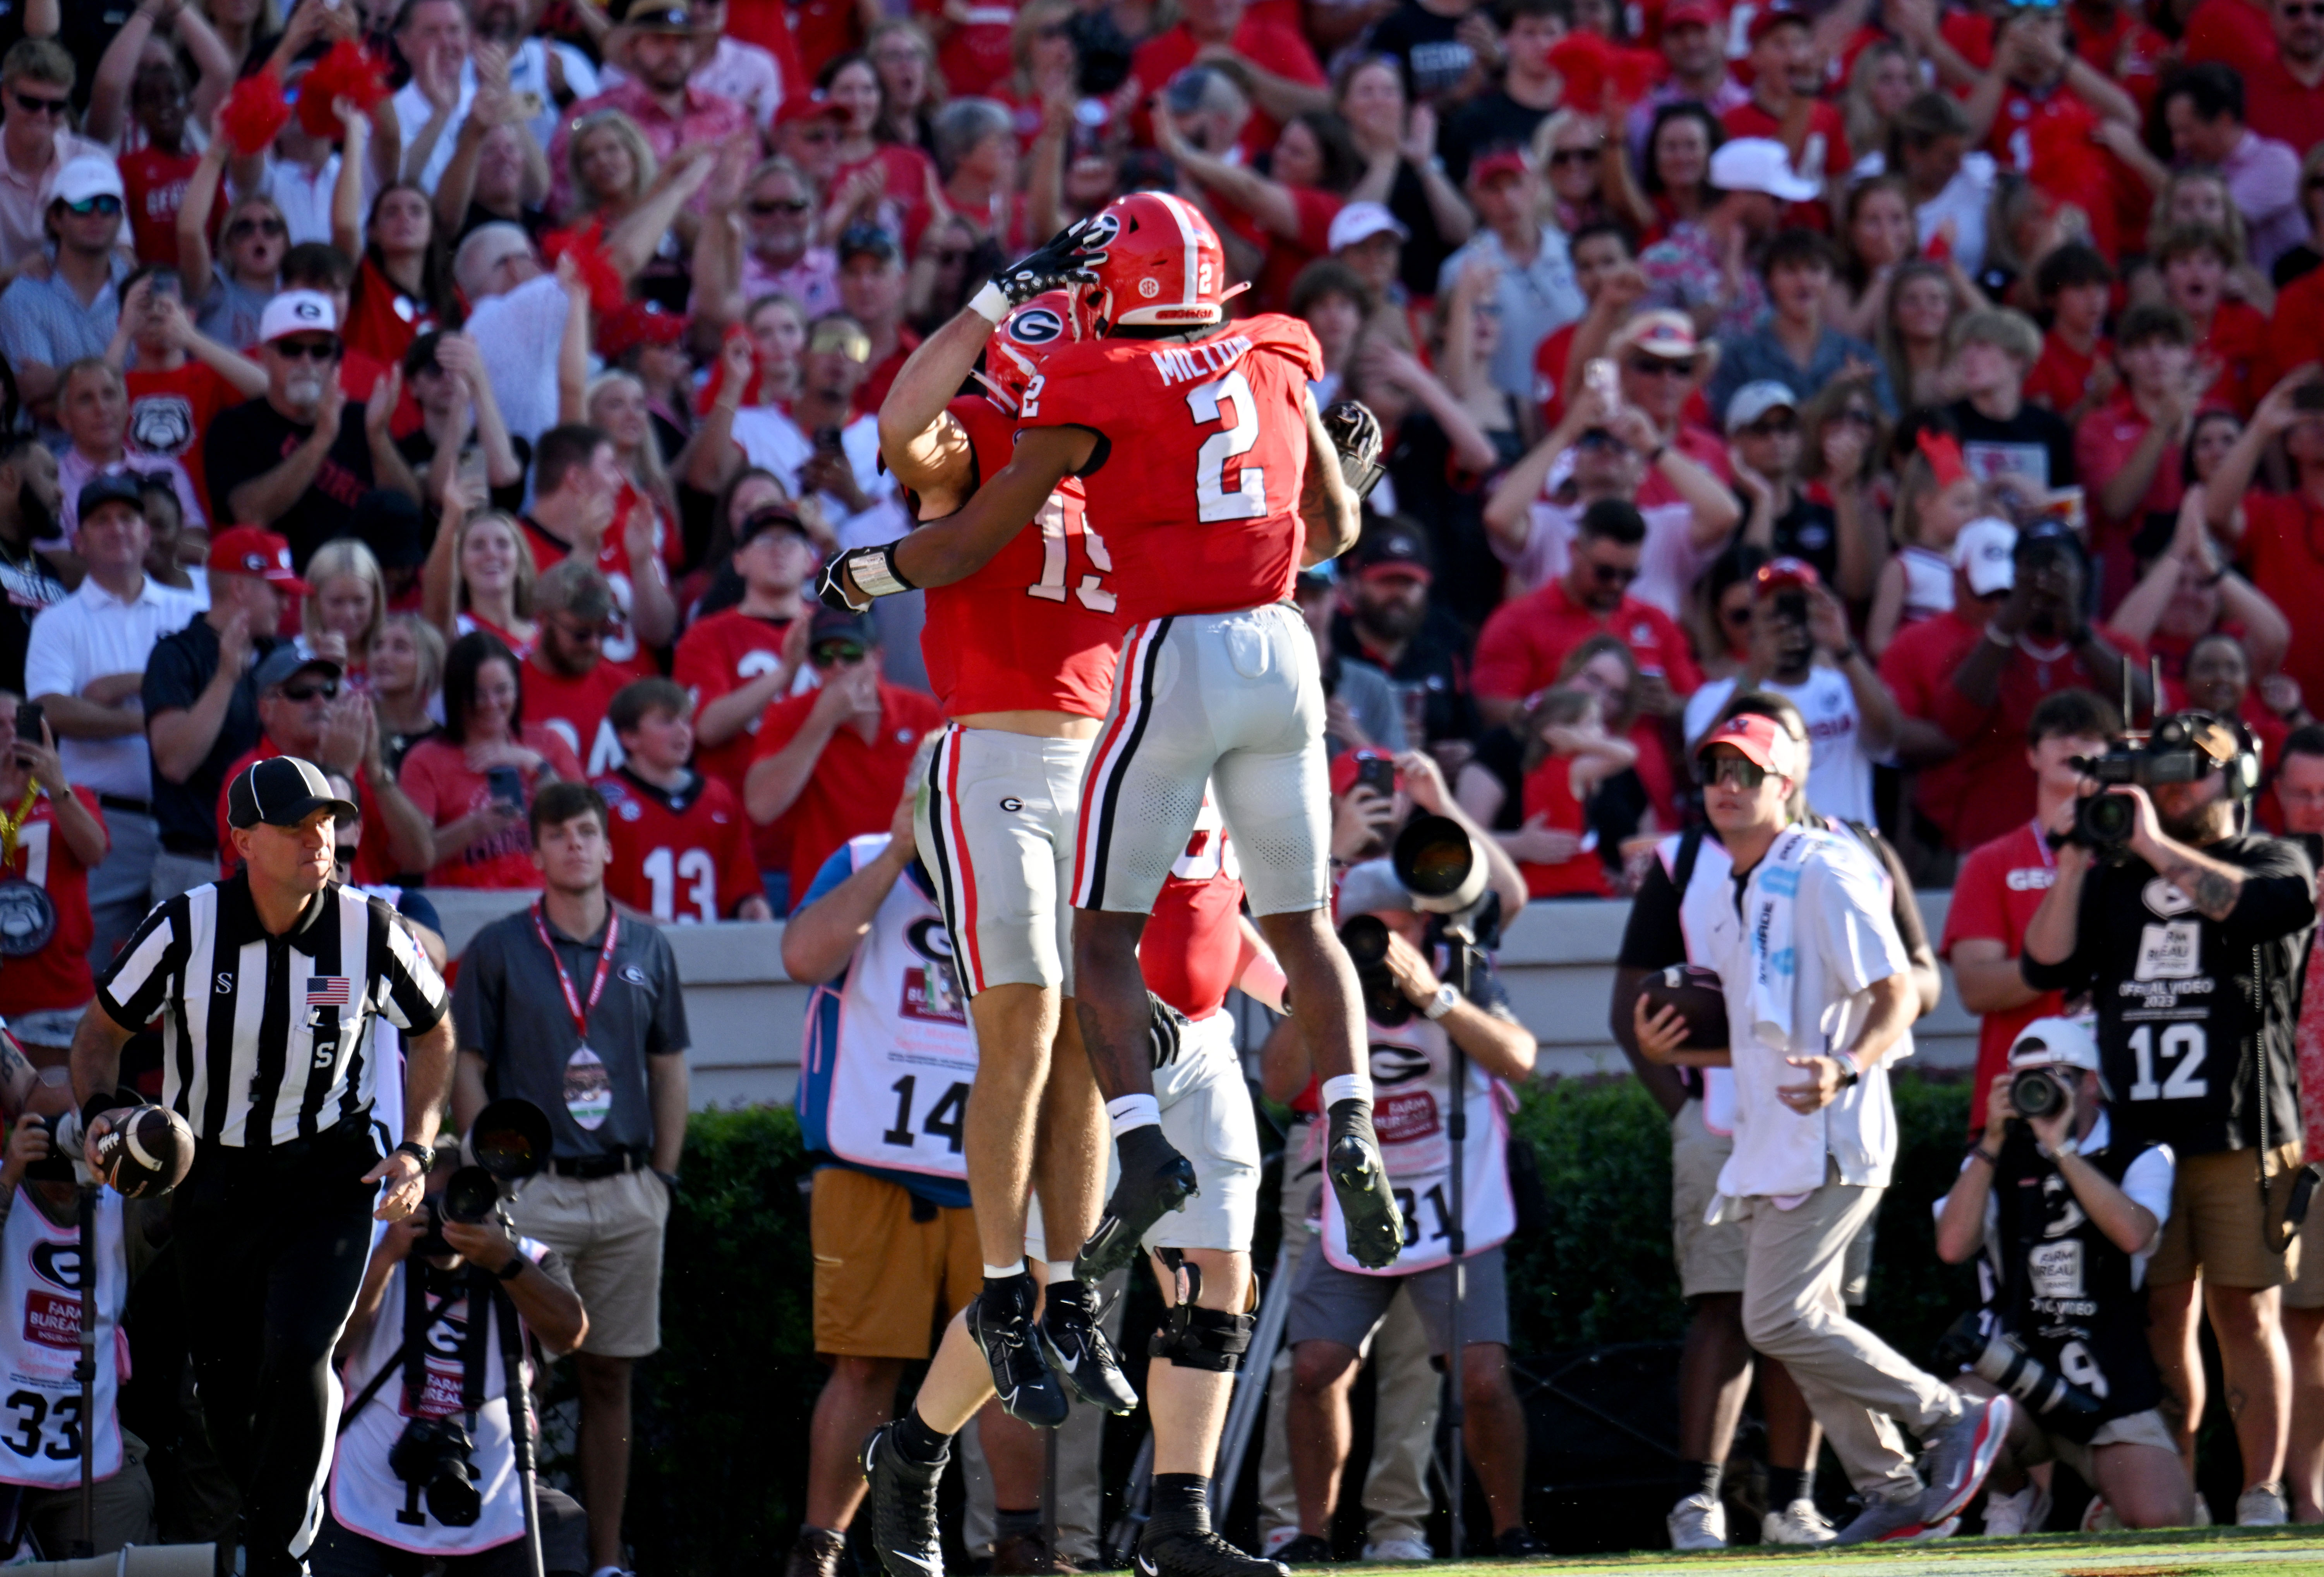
{"x": 272, "y": 1246}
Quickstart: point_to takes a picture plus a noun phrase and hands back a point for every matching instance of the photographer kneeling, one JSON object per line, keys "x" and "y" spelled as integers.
{"x": 2186, "y": 932}
{"x": 2067, "y": 1211}
{"x": 426, "y": 1464}
{"x": 1415, "y": 1020}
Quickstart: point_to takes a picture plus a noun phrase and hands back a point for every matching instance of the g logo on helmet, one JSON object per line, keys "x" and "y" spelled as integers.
{"x": 1036, "y": 326}
{"x": 1150, "y": 287}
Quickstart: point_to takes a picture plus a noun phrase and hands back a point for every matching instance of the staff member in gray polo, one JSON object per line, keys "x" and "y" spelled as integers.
{"x": 578, "y": 1012}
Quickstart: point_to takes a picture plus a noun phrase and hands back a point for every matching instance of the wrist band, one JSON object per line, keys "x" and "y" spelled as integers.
{"x": 514, "y": 1268}
{"x": 874, "y": 572}
{"x": 1656, "y": 457}
{"x": 1846, "y": 654}
{"x": 2006, "y": 642}
{"x": 1982, "y": 1154}
{"x": 990, "y": 303}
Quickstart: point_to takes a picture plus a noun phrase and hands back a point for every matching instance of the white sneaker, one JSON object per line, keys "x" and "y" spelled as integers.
{"x": 1399, "y": 1550}
{"x": 2099, "y": 1517}
{"x": 2008, "y": 1516}
{"x": 1275, "y": 1538}
{"x": 2262, "y": 1506}
{"x": 1699, "y": 1522}
{"x": 1800, "y": 1522}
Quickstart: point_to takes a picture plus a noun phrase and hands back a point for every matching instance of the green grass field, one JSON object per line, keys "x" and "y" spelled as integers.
{"x": 2292, "y": 1552}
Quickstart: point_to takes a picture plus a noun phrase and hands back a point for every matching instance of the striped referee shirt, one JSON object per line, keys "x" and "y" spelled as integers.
{"x": 265, "y": 1039}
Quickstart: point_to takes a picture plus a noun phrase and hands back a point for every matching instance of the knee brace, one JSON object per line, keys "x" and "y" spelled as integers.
{"x": 1194, "y": 1337}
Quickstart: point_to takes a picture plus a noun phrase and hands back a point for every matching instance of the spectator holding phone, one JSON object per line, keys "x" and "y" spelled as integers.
{"x": 474, "y": 781}
{"x": 52, "y": 836}
{"x": 2277, "y": 525}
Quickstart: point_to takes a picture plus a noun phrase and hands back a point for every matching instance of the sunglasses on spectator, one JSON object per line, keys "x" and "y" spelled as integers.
{"x": 577, "y": 630}
{"x": 325, "y": 349}
{"x": 1772, "y": 427}
{"x": 1612, "y": 574}
{"x": 328, "y": 690}
{"x": 103, "y": 203}
{"x": 1597, "y": 438}
{"x": 1573, "y": 156}
{"x": 31, "y": 106}
{"x": 844, "y": 338}
{"x": 1853, "y": 418}
{"x": 1733, "y": 771}
{"x": 1662, "y": 366}
{"x": 1737, "y": 617}
{"x": 832, "y": 653}
{"x": 761, "y": 207}
{"x": 260, "y": 226}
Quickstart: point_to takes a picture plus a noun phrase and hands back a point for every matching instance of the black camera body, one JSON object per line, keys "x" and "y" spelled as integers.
{"x": 56, "y": 1166}
{"x": 2036, "y": 1092}
{"x": 2184, "y": 748}
{"x": 432, "y": 1455}
{"x": 1366, "y": 939}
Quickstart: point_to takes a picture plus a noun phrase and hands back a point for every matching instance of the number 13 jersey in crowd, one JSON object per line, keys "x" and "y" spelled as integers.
{"x": 1202, "y": 455}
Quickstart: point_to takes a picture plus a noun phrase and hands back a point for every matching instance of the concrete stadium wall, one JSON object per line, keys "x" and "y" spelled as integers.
{"x": 1558, "y": 962}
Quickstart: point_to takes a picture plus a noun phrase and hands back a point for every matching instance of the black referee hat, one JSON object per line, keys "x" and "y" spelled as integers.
{"x": 281, "y": 791}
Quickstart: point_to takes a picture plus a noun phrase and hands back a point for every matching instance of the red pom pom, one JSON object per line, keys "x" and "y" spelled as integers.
{"x": 254, "y": 113}
{"x": 346, "y": 70}
{"x": 1597, "y": 72}
{"x": 1943, "y": 451}
{"x": 608, "y": 292}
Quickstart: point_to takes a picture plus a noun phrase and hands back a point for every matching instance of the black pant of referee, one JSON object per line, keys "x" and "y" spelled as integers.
{"x": 266, "y": 985}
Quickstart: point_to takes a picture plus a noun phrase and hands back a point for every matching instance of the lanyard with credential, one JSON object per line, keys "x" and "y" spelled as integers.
{"x": 588, "y": 1089}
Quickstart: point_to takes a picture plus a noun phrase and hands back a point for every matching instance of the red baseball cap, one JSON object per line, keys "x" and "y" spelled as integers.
{"x": 255, "y": 550}
{"x": 1763, "y": 742}
{"x": 1784, "y": 574}
{"x": 1344, "y": 767}
{"x": 1702, "y": 12}
{"x": 1501, "y": 162}
{"x": 808, "y": 106}
{"x": 1768, "y": 18}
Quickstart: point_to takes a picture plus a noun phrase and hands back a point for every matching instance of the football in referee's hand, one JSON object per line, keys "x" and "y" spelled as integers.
{"x": 1702, "y": 1006}
{"x": 147, "y": 1154}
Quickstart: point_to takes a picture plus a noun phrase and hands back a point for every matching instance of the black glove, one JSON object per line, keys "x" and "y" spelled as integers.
{"x": 1355, "y": 432}
{"x": 1164, "y": 1026}
{"x": 1070, "y": 258}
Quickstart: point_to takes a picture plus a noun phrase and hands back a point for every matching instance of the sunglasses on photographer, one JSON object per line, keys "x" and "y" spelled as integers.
{"x": 1733, "y": 771}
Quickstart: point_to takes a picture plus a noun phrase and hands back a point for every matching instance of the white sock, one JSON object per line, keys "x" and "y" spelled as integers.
{"x": 1133, "y": 1111}
{"x": 1003, "y": 1272}
{"x": 1347, "y": 1087}
{"x": 1060, "y": 1271}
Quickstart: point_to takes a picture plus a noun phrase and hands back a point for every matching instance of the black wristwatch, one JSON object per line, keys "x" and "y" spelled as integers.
{"x": 423, "y": 1154}
{"x": 514, "y": 1268}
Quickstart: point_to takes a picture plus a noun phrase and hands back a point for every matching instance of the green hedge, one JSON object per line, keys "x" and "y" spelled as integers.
{"x": 724, "y": 1408}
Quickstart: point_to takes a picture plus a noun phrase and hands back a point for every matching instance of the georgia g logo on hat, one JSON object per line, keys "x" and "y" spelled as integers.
{"x": 307, "y": 311}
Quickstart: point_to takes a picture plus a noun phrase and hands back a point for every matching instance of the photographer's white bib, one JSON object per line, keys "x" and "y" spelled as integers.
{"x": 40, "y": 1410}
{"x": 366, "y": 1497}
{"x": 1412, "y": 1111}
{"x": 904, "y": 1055}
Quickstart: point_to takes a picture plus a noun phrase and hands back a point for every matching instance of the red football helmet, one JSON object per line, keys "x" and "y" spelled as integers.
{"x": 1163, "y": 265}
{"x": 1012, "y": 357}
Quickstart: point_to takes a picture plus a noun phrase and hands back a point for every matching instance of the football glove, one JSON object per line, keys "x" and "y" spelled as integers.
{"x": 1355, "y": 432}
{"x": 1164, "y": 1026}
{"x": 1070, "y": 258}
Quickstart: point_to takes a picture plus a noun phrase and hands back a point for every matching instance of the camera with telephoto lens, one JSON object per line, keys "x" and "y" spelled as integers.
{"x": 2061, "y": 1406}
{"x": 1365, "y": 937}
{"x": 2036, "y": 1092}
{"x": 2184, "y": 748}
{"x": 509, "y": 1140}
{"x": 64, "y": 1143}
{"x": 432, "y": 1455}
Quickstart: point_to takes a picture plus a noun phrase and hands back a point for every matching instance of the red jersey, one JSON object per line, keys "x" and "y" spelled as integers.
{"x": 2061, "y": 376}
{"x": 1191, "y": 949}
{"x": 620, "y": 647}
{"x": 2281, "y": 107}
{"x": 154, "y": 183}
{"x": 58, "y": 976}
{"x": 2296, "y": 334}
{"x": 1197, "y": 484}
{"x": 382, "y": 321}
{"x": 372, "y": 862}
{"x": 1549, "y": 374}
{"x": 719, "y": 655}
{"x": 2238, "y": 342}
{"x": 170, "y": 411}
{"x": 855, "y": 785}
{"x": 1036, "y": 629}
{"x": 436, "y": 776}
{"x": 572, "y": 708}
{"x": 1823, "y": 152}
{"x": 684, "y": 857}
{"x": 2000, "y": 885}
{"x": 2236, "y": 33}
{"x": 1549, "y": 794}
{"x": 2283, "y": 552}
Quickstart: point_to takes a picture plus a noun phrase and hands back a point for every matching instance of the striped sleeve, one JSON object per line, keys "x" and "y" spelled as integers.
{"x": 416, "y": 999}
{"x": 134, "y": 984}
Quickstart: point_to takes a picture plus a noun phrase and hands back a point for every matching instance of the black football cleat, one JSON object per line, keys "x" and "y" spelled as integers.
{"x": 1198, "y": 1552}
{"x": 903, "y": 1505}
{"x": 1359, "y": 1183}
{"x": 1079, "y": 1352}
{"x": 1021, "y": 1377}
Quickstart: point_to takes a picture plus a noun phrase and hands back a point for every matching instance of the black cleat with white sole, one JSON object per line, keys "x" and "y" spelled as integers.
{"x": 1078, "y": 1350}
{"x": 1156, "y": 1179}
{"x": 1367, "y": 1206}
{"x": 903, "y": 1505}
{"x": 1198, "y": 1552}
{"x": 1002, "y": 1327}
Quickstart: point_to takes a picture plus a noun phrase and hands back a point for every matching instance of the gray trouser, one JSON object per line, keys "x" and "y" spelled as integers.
{"x": 1080, "y": 1494}
{"x": 1856, "y": 1385}
{"x": 119, "y": 895}
{"x": 1396, "y": 1500}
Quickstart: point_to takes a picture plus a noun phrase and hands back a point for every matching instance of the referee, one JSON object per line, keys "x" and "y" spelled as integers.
{"x": 266, "y": 984}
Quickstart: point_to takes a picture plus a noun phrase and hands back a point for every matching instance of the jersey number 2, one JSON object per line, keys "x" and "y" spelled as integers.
{"x": 1212, "y": 502}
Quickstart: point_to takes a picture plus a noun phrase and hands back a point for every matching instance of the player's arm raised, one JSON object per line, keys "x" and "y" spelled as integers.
{"x": 1328, "y": 506}
{"x": 926, "y": 449}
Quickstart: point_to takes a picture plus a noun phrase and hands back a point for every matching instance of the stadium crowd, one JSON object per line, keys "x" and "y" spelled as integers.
{"x": 459, "y": 394}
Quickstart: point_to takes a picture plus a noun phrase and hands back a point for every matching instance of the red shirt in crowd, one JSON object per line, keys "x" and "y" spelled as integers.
{"x": 155, "y": 184}
{"x": 882, "y": 378}
{"x": 383, "y": 320}
{"x": 2238, "y": 342}
{"x": 436, "y": 778}
{"x": 719, "y": 654}
{"x": 855, "y": 785}
{"x": 573, "y": 708}
{"x": 1986, "y": 787}
{"x": 2063, "y": 374}
{"x": 170, "y": 411}
{"x": 1549, "y": 374}
{"x": 1287, "y": 255}
{"x": 2236, "y": 33}
{"x": 58, "y": 976}
{"x": 1262, "y": 40}
{"x": 2279, "y": 105}
{"x": 620, "y": 647}
{"x": 372, "y": 862}
{"x": 2296, "y": 334}
{"x": 1823, "y": 153}
{"x": 2283, "y": 552}
{"x": 2102, "y": 444}
{"x": 1999, "y": 886}
{"x": 683, "y": 857}
{"x": 1549, "y": 794}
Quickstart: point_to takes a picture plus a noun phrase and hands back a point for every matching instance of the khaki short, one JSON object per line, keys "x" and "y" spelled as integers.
{"x": 883, "y": 1282}
{"x": 2305, "y": 1290}
{"x": 610, "y": 1231}
{"x": 2147, "y": 1428}
{"x": 1712, "y": 1258}
{"x": 2216, "y": 1230}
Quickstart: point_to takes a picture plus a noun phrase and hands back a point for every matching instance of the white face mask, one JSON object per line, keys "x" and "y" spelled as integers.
{"x": 306, "y": 389}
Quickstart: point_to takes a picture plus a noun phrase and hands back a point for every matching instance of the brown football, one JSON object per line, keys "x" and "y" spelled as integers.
{"x": 1694, "y": 992}
{"x": 148, "y": 1155}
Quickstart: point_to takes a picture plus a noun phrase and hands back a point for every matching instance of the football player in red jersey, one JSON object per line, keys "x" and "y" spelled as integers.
{"x": 681, "y": 843}
{"x": 1021, "y": 655}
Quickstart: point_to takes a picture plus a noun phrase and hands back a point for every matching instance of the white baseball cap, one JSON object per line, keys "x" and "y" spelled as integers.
{"x": 1755, "y": 399}
{"x": 1759, "y": 164}
{"x": 296, "y": 312}
{"x": 86, "y": 178}
{"x": 1359, "y": 222}
{"x": 2054, "y": 1043}
{"x": 1986, "y": 550}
